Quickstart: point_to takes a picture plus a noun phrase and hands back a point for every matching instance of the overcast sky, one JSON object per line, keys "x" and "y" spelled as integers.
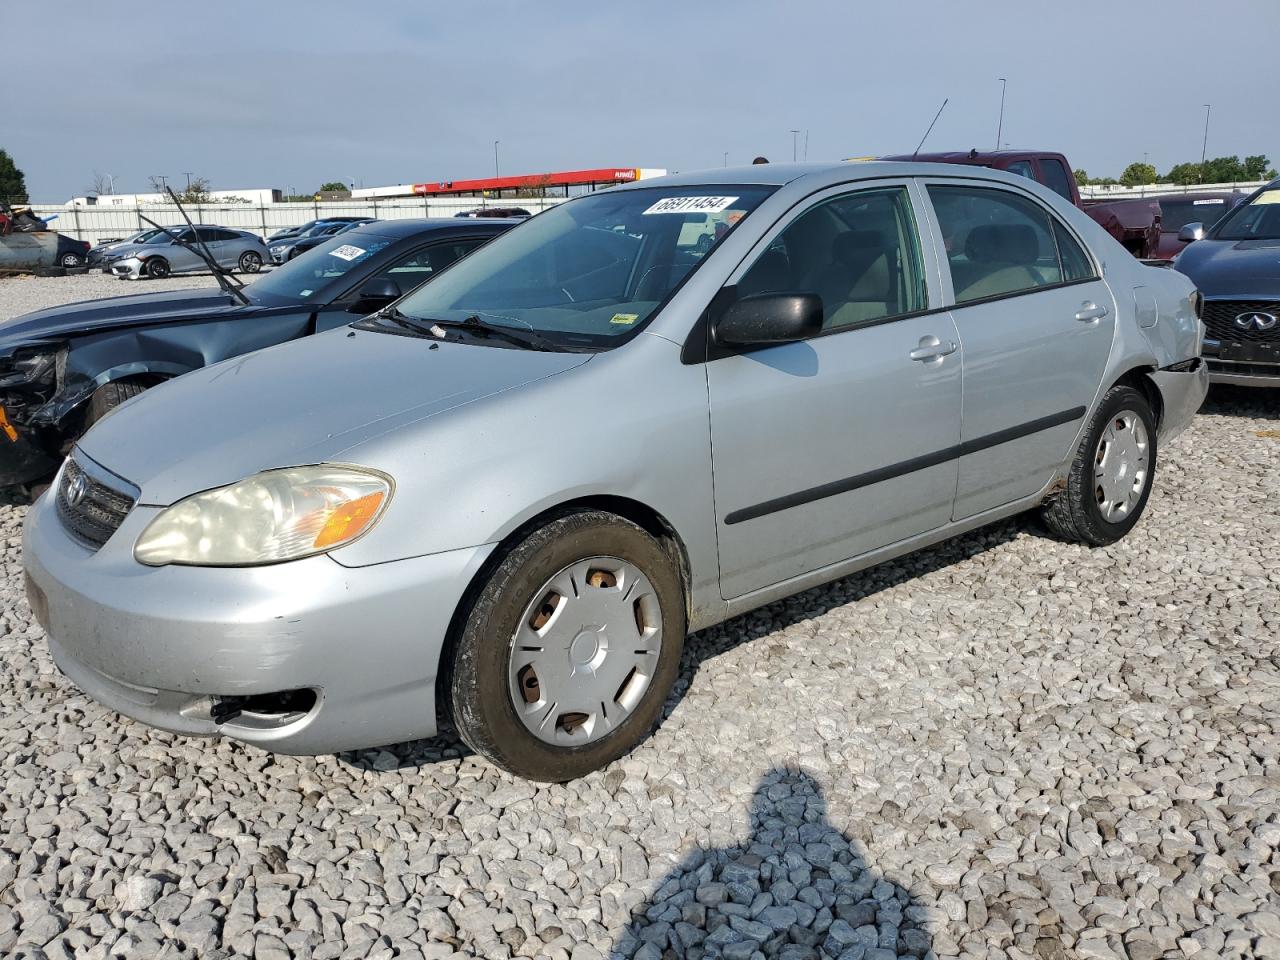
{"x": 290, "y": 94}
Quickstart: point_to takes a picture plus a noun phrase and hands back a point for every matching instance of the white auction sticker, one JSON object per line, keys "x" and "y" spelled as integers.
{"x": 690, "y": 205}
{"x": 347, "y": 252}
{"x": 1198, "y": 203}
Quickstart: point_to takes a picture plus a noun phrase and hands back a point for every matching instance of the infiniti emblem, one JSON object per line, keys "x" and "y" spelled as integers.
{"x": 1260, "y": 321}
{"x": 77, "y": 487}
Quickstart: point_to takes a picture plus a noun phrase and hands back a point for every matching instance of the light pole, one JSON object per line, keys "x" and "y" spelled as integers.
{"x": 726, "y": 158}
{"x": 111, "y": 180}
{"x": 188, "y": 174}
{"x": 495, "y": 157}
{"x": 1004, "y": 85}
{"x": 1204, "y": 146}
{"x": 164, "y": 181}
{"x": 794, "y": 134}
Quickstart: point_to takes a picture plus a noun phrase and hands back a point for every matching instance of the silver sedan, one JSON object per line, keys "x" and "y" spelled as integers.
{"x": 164, "y": 253}
{"x": 508, "y": 497}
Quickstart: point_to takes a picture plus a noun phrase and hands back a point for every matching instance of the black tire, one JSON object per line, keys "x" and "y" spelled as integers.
{"x": 109, "y": 396}
{"x": 1073, "y": 513}
{"x": 475, "y": 679}
{"x": 50, "y": 271}
{"x": 70, "y": 260}
{"x": 157, "y": 268}
{"x": 250, "y": 262}
{"x": 77, "y": 271}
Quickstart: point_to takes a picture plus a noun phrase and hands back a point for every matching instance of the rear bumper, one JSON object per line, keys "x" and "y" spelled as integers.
{"x": 169, "y": 645}
{"x": 1181, "y": 393}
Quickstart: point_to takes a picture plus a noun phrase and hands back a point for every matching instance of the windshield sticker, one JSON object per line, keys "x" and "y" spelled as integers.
{"x": 625, "y": 318}
{"x": 347, "y": 252}
{"x": 305, "y": 293}
{"x": 690, "y": 205}
{"x": 1200, "y": 203}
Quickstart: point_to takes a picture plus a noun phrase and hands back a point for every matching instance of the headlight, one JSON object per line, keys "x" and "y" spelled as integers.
{"x": 270, "y": 517}
{"x": 31, "y": 367}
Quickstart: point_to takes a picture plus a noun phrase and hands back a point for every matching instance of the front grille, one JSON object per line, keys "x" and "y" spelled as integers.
{"x": 1220, "y": 320}
{"x": 90, "y": 509}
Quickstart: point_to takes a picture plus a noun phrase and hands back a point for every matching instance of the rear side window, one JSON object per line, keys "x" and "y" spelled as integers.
{"x": 1021, "y": 168}
{"x": 1075, "y": 262}
{"x": 998, "y": 243}
{"x": 858, "y": 252}
{"x": 1055, "y": 177}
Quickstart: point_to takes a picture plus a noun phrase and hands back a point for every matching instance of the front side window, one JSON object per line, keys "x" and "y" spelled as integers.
{"x": 998, "y": 243}
{"x": 419, "y": 266}
{"x": 858, "y": 252}
{"x": 589, "y": 272}
{"x": 1055, "y": 177}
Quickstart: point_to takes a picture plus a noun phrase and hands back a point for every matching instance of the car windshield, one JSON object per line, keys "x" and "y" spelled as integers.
{"x": 160, "y": 236}
{"x": 591, "y": 271}
{"x": 1176, "y": 214}
{"x": 305, "y": 278}
{"x": 1258, "y": 219}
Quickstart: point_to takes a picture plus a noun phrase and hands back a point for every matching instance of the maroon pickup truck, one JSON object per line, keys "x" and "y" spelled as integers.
{"x": 1135, "y": 223}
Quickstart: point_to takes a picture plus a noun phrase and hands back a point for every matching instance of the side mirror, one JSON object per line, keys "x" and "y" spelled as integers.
{"x": 375, "y": 295}
{"x": 1191, "y": 232}
{"x": 770, "y": 318}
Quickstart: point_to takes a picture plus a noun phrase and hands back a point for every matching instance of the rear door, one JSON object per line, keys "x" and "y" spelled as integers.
{"x": 835, "y": 446}
{"x": 1036, "y": 322}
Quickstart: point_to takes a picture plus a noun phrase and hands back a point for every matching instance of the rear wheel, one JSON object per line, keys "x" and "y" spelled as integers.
{"x": 1110, "y": 479}
{"x": 71, "y": 260}
{"x": 250, "y": 262}
{"x": 157, "y": 268}
{"x": 568, "y": 651}
{"x": 109, "y": 396}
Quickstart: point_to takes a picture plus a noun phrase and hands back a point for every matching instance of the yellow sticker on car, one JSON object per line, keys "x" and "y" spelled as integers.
{"x": 625, "y": 318}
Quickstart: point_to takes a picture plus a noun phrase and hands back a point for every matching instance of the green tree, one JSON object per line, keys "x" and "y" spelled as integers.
{"x": 1258, "y": 168}
{"x": 13, "y": 185}
{"x": 1184, "y": 174}
{"x": 1138, "y": 175}
{"x": 333, "y": 186}
{"x": 1082, "y": 178}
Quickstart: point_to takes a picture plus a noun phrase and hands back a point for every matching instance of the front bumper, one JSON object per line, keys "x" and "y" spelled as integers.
{"x": 1182, "y": 393}
{"x": 167, "y": 645}
{"x": 1235, "y": 372}
{"x": 127, "y": 269}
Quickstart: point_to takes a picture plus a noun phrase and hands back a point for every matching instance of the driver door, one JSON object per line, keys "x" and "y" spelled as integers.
{"x": 838, "y": 445}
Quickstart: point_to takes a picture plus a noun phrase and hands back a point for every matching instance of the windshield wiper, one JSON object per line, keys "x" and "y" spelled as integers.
{"x": 528, "y": 339}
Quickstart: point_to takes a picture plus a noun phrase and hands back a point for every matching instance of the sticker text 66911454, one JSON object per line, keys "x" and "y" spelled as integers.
{"x": 691, "y": 205}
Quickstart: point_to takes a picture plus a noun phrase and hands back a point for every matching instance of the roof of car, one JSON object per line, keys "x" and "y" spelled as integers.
{"x": 778, "y": 174}
{"x": 399, "y": 229}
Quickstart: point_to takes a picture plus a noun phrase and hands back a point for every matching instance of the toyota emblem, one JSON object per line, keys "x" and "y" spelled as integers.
{"x": 77, "y": 487}
{"x": 1258, "y": 321}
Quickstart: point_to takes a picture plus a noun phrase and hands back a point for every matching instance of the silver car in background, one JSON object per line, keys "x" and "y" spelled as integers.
{"x": 510, "y": 495}
{"x": 163, "y": 253}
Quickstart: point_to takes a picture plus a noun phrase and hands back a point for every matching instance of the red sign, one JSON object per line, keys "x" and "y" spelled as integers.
{"x": 566, "y": 178}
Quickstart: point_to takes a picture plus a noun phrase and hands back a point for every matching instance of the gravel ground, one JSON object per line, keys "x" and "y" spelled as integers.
{"x": 24, "y": 293}
{"x": 1000, "y": 747}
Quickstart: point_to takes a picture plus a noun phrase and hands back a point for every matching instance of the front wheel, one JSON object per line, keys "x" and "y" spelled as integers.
{"x": 1111, "y": 476}
{"x": 109, "y": 396}
{"x": 567, "y": 653}
{"x": 250, "y": 262}
{"x": 157, "y": 268}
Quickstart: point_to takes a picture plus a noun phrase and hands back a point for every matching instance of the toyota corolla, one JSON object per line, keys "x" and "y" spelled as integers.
{"x": 508, "y": 496}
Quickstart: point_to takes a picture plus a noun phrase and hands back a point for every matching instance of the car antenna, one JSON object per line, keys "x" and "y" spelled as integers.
{"x": 930, "y": 130}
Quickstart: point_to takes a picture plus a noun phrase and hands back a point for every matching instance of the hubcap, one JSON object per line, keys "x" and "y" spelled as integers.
{"x": 1121, "y": 466}
{"x": 585, "y": 650}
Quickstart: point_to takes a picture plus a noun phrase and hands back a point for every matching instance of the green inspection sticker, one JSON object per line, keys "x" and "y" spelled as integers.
{"x": 625, "y": 318}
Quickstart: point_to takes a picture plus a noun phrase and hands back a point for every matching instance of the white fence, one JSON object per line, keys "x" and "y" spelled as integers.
{"x": 1155, "y": 189}
{"x": 99, "y": 223}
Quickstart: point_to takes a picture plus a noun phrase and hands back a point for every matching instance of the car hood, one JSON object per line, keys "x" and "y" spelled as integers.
{"x": 1243, "y": 269}
{"x": 303, "y": 402}
{"x": 93, "y": 315}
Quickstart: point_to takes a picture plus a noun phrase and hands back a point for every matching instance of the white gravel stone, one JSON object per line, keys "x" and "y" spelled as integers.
{"x": 1001, "y": 747}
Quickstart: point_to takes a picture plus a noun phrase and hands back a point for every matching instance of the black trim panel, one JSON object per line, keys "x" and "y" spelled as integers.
{"x": 881, "y": 474}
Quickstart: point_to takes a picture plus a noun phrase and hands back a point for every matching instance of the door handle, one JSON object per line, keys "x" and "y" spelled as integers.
{"x": 1090, "y": 311}
{"x": 931, "y": 348}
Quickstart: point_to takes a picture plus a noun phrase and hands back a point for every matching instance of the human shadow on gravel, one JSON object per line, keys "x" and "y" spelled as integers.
{"x": 796, "y": 889}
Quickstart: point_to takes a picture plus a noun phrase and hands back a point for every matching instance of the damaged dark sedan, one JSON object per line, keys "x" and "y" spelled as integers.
{"x": 65, "y": 368}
